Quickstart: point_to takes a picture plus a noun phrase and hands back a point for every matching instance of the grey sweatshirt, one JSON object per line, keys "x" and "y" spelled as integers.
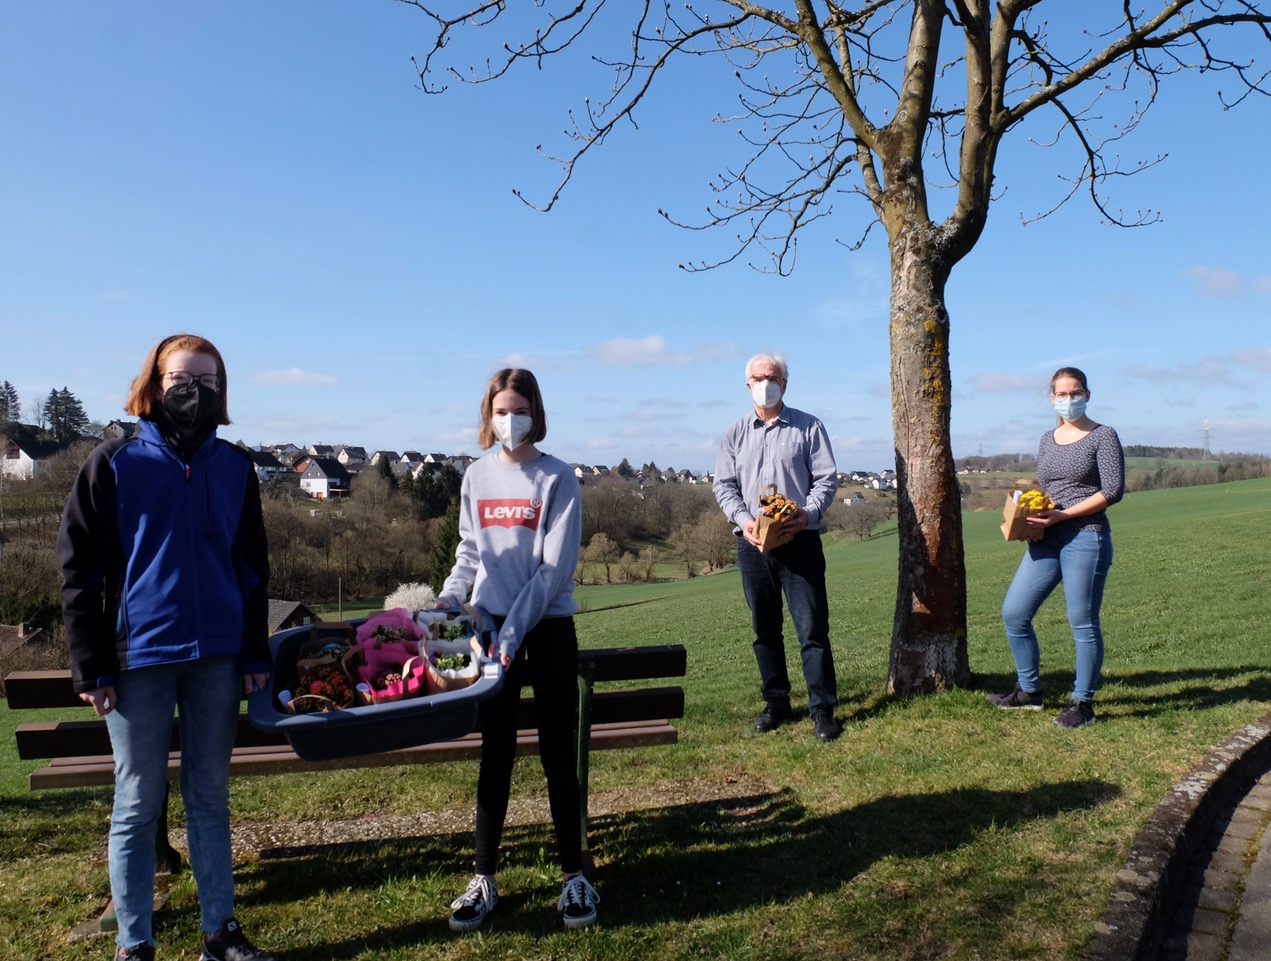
{"x": 520, "y": 528}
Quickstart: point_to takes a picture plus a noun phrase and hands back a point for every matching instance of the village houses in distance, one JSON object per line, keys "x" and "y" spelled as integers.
{"x": 325, "y": 471}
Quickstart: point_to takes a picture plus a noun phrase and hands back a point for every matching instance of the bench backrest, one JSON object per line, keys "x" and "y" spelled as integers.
{"x": 53, "y": 689}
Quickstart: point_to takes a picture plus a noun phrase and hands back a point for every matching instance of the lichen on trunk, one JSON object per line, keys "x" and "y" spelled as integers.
{"x": 928, "y": 646}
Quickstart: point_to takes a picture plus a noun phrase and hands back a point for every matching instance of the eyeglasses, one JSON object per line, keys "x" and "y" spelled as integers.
{"x": 1068, "y": 395}
{"x": 183, "y": 378}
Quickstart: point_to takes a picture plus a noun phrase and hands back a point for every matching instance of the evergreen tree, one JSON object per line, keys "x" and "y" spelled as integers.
{"x": 428, "y": 493}
{"x": 386, "y": 472}
{"x": 10, "y": 408}
{"x": 451, "y": 481}
{"x": 405, "y": 484}
{"x": 65, "y": 415}
{"x": 625, "y": 469}
{"x": 447, "y": 540}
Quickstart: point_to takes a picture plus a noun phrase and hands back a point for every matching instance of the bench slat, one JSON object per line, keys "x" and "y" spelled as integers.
{"x": 94, "y": 771}
{"x": 50, "y": 739}
{"x": 35, "y": 689}
{"x": 635, "y": 663}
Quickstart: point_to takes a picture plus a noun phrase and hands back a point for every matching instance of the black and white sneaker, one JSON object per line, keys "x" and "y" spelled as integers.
{"x": 138, "y": 952}
{"x": 1076, "y": 714}
{"x": 228, "y": 943}
{"x": 577, "y": 904}
{"x": 1018, "y": 698}
{"x": 468, "y": 911}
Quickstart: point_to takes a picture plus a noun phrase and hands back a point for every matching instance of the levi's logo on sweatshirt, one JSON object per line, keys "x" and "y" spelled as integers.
{"x": 510, "y": 512}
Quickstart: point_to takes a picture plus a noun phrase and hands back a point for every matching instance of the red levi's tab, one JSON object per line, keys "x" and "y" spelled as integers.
{"x": 510, "y": 512}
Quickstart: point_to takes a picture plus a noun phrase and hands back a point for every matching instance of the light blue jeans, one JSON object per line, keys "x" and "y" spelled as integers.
{"x": 1081, "y": 560}
{"x": 206, "y": 691}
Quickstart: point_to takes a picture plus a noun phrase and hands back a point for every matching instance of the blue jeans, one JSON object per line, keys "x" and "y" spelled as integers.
{"x": 207, "y": 693}
{"x": 1081, "y": 560}
{"x": 798, "y": 569}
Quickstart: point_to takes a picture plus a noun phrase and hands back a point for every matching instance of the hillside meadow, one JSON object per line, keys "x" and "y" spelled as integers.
{"x": 934, "y": 828}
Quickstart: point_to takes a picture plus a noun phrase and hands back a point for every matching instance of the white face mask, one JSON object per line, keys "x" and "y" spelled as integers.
{"x": 767, "y": 394}
{"x": 511, "y": 429}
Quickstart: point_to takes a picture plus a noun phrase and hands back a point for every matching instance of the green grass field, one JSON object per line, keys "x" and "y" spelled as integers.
{"x": 934, "y": 828}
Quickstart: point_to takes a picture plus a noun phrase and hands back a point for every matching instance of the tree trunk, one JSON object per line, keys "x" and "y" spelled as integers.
{"x": 928, "y": 645}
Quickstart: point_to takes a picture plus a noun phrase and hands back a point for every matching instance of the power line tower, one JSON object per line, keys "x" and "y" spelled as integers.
{"x": 1204, "y": 433}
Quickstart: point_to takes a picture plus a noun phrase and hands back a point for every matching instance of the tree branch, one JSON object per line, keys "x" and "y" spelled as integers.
{"x": 862, "y": 92}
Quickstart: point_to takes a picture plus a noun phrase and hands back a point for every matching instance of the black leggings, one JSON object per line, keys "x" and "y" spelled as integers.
{"x": 547, "y": 660}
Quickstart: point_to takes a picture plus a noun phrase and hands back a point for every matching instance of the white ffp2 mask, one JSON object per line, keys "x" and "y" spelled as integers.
{"x": 766, "y": 393}
{"x": 511, "y": 429}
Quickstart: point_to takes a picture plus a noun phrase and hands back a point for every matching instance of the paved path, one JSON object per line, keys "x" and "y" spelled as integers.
{"x": 1224, "y": 910}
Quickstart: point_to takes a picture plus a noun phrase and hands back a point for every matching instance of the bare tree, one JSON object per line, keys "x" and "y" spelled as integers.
{"x": 881, "y": 102}
{"x": 602, "y": 551}
{"x": 648, "y": 563}
{"x": 863, "y": 518}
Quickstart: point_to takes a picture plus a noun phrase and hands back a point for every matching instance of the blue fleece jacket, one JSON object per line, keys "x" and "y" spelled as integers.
{"x": 163, "y": 560}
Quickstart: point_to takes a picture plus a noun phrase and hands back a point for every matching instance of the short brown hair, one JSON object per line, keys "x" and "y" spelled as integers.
{"x": 145, "y": 397}
{"x": 523, "y": 382}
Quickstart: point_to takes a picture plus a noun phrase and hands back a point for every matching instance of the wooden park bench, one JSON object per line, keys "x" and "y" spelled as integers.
{"x": 79, "y": 753}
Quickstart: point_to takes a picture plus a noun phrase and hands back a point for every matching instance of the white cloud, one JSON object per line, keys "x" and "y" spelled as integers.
{"x": 716, "y": 350}
{"x": 1207, "y": 370}
{"x": 520, "y": 360}
{"x": 292, "y": 376}
{"x": 299, "y": 425}
{"x": 1217, "y": 281}
{"x": 994, "y": 382}
{"x": 116, "y": 295}
{"x": 652, "y": 351}
{"x": 1257, "y": 357}
{"x": 632, "y": 352}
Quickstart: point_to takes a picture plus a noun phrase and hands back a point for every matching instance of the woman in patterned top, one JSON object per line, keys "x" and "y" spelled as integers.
{"x": 1081, "y": 468}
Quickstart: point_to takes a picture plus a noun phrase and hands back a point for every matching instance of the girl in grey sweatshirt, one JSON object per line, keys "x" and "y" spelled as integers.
{"x": 520, "y": 528}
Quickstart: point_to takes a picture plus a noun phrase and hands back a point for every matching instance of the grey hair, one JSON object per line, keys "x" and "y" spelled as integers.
{"x": 775, "y": 359}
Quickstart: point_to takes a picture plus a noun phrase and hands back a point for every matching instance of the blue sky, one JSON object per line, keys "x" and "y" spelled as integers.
{"x": 269, "y": 175}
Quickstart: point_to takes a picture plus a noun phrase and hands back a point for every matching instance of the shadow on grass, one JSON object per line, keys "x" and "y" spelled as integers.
{"x": 587, "y": 609}
{"x": 719, "y": 858}
{"x": 53, "y": 822}
{"x": 674, "y": 864}
{"x": 1198, "y": 689}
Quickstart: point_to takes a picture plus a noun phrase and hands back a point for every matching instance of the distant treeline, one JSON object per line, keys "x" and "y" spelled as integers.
{"x": 1195, "y": 469}
{"x": 1233, "y": 467}
{"x": 1183, "y": 453}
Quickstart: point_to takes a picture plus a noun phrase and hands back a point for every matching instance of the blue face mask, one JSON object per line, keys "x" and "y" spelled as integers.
{"x": 1070, "y": 408}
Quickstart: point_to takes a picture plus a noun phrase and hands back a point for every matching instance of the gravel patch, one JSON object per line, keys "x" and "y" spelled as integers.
{"x": 279, "y": 839}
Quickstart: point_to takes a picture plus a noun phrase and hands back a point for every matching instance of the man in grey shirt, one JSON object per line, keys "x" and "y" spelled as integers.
{"x": 776, "y": 444}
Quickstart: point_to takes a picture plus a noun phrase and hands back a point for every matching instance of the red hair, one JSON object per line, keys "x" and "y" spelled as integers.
{"x": 145, "y": 397}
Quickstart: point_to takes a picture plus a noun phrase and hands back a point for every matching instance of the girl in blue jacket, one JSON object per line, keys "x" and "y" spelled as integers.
{"x": 165, "y": 602}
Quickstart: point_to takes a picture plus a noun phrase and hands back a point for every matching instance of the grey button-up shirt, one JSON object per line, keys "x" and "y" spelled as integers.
{"x": 793, "y": 452}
